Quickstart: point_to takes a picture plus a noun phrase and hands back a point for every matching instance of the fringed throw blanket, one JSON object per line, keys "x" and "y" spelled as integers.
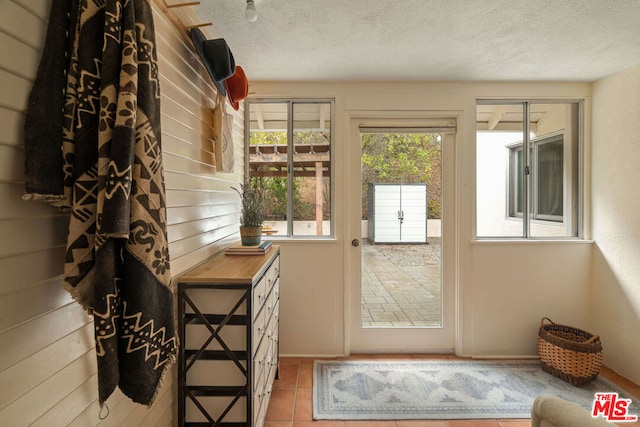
{"x": 117, "y": 259}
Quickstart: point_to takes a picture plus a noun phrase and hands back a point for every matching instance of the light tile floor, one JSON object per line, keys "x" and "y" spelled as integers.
{"x": 291, "y": 404}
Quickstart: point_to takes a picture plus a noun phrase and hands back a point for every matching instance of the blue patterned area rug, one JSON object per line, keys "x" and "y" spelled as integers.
{"x": 434, "y": 389}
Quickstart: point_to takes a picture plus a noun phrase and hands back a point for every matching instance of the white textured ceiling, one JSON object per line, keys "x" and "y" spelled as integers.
{"x": 402, "y": 40}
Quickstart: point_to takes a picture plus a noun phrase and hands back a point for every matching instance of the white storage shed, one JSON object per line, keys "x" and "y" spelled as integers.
{"x": 397, "y": 213}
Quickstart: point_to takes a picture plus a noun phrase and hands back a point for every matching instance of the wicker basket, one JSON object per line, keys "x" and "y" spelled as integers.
{"x": 570, "y": 354}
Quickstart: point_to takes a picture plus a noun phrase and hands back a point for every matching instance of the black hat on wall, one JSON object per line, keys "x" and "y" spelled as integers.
{"x": 216, "y": 57}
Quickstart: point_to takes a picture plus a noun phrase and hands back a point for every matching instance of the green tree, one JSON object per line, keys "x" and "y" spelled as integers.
{"x": 275, "y": 196}
{"x": 268, "y": 138}
{"x": 303, "y": 190}
{"x": 403, "y": 158}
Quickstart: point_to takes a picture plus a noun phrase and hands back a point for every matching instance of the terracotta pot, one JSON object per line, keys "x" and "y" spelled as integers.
{"x": 250, "y": 236}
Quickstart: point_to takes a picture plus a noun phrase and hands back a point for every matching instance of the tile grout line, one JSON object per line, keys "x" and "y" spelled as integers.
{"x": 295, "y": 394}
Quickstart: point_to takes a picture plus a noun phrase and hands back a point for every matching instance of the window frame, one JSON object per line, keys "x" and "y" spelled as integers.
{"x": 514, "y": 172}
{"x": 574, "y": 219}
{"x": 290, "y": 102}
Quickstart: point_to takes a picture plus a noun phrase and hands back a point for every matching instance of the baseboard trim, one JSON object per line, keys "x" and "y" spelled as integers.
{"x": 504, "y": 356}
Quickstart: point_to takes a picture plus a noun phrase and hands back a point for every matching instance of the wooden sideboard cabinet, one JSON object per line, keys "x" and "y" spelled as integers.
{"x": 228, "y": 321}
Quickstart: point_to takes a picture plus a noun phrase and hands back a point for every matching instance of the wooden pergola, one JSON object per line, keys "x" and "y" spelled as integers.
{"x": 309, "y": 160}
{"x": 272, "y": 160}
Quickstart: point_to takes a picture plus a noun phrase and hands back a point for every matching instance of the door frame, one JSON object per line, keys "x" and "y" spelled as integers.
{"x": 448, "y": 339}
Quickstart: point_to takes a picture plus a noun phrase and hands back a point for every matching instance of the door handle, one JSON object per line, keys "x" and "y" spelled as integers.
{"x": 355, "y": 243}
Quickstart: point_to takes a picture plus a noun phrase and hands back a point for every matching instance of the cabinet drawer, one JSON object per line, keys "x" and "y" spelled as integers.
{"x": 275, "y": 316}
{"x": 271, "y": 329}
{"x": 273, "y": 298}
{"x": 273, "y": 272}
{"x": 259, "y": 328}
{"x": 260, "y": 292}
{"x": 265, "y": 401}
{"x": 258, "y": 397}
{"x": 259, "y": 363}
{"x": 261, "y": 414}
{"x": 272, "y": 337}
{"x": 261, "y": 400}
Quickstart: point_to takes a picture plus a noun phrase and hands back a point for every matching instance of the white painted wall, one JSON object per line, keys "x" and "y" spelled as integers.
{"x": 47, "y": 357}
{"x": 492, "y": 158}
{"x": 512, "y": 285}
{"x": 503, "y": 290}
{"x": 616, "y": 220}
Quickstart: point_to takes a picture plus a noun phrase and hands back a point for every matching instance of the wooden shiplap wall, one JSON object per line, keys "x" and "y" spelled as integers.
{"x": 47, "y": 358}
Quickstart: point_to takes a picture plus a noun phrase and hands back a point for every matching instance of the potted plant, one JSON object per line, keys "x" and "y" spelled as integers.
{"x": 252, "y": 214}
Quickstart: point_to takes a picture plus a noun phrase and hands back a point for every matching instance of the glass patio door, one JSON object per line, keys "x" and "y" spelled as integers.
{"x": 401, "y": 280}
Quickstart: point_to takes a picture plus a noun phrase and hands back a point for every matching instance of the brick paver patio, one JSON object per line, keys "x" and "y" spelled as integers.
{"x": 401, "y": 285}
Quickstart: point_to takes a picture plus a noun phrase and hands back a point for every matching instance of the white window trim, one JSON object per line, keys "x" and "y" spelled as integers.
{"x": 290, "y": 101}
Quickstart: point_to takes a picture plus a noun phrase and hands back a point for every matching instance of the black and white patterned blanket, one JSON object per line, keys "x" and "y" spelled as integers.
{"x": 108, "y": 148}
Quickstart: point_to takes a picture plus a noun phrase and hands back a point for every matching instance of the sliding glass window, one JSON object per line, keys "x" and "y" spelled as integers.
{"x": 290, "y": 153}
{"x": 528, "y": 169}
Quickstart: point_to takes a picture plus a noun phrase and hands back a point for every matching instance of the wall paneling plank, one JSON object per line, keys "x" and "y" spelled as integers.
{"x": 22, "y": 270}
{"x": 39, "y": 8}
{"x": 23, "y": 236}
{"x": 38, "y": 367}
{"x": 11, "y": 132}
{"x": 35, "y": 300}
{"x": 36, "y": 402}
{"x": 18, "y": 57}
{"x": 21, "y": 23}
{"x": 15, "y": 91}
{"x": 29, "y": 338}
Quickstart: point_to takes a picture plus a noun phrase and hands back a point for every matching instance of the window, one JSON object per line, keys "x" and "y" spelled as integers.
{"x": 546, "y": 158}
{"x": 527, "y": 161}
{"x": 289, "y": 153}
